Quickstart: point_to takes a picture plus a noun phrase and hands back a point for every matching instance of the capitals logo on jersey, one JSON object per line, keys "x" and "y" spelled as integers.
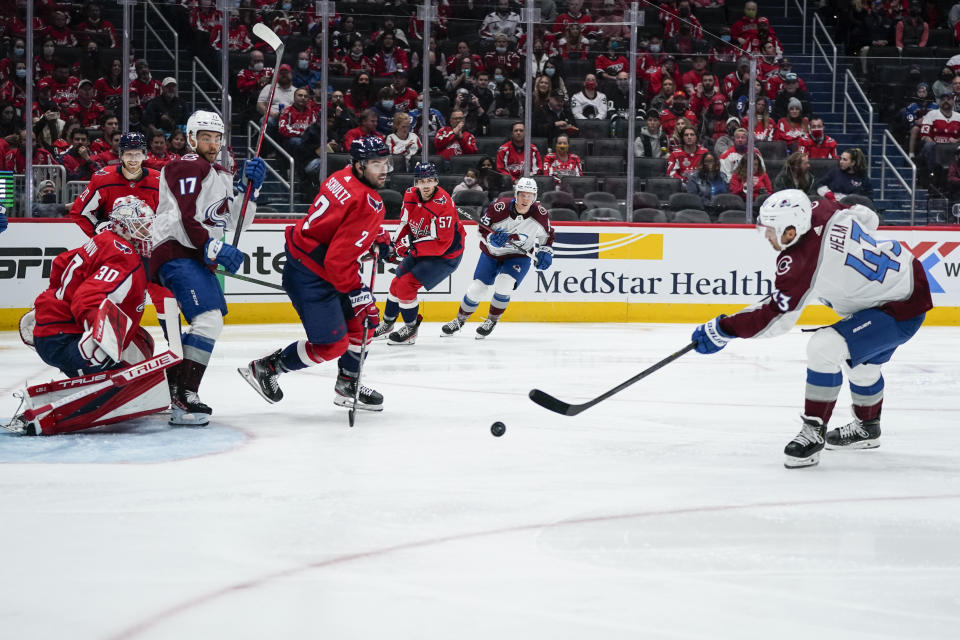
{"x": 442, "y": 200}
{"x": 376, "y": 205}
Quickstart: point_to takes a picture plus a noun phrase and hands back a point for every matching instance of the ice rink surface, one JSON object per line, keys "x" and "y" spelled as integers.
{"x": 664, "y": 512}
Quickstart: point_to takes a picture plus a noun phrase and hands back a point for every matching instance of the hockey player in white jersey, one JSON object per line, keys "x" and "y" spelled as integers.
{"x": 198, "y": 203}
{"x": 829, "y": 253}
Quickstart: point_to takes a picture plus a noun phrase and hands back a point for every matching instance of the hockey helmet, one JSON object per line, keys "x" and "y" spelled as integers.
{"x": 368, "y": 148}
{"x": 525, "y": 184}
{"x": 133, "y": 219}
{"x": 782, "y": 210}
{"x": 131, "y": 141}
{"x": 203, "y": 121}
{"x": 425, "y": 171}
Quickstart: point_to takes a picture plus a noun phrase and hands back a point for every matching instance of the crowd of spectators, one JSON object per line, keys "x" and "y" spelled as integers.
{"x": 691, "y": 89}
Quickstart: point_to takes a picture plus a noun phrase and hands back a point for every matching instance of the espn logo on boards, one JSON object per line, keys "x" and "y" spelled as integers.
{"x": 14, "y": 261}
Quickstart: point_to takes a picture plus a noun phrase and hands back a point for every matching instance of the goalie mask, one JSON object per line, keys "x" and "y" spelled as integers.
{"x": 782, "y": 210}
{"x": 132, "y": 219}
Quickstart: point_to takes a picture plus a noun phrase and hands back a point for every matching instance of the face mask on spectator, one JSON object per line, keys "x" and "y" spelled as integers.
{"x": 590, "y": 84}
{"x": 258, "y": 66}
{"x": 740, "y": 148}
{"x": 387, "y": 104}
{"x": 726, "y": 37}
{"x": 303, "y": 64}
{"x": 498, "y": 78}
{"x": 48, "y": 198}
{"x": 19, "y": 51}
{"x": 550, "y": 71}
{"x": 467, "y": 180}
{"x": 817, "y": 134}
{"x": 501, "y": 49}
{"x": 420, "y": 104}
{"x": 287, "y": 6}
{"x": 684, "y": 13}
{"x": 654, "y": 48}
{"x": 624, "y": 85}
{"x": 21, "y": 73}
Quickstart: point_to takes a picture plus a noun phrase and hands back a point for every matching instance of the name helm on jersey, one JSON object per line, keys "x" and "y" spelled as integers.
{"x": 782, "y": 210}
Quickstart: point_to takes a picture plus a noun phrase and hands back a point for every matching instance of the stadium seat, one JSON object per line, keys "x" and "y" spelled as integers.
{"x": 854, "y": 198}
{"x": 603, "y": 165}
{"x": 470, "y": 213}
{"x": 599, "y": 200}
{"x": 732, "y": 216}
{"x": 820, "y": 166}
{"x": 690, "y": 215}
{"x": 488, "y": 145}
{"x": 545, "y": 184}
{"x": 602, "y": 214}
{"x": 649, "y": 167}
{"x": 563, "y": 214}
{"x": 593, "y": 129}
{"x": 713, "y": 15}
{"x": 541, "y": 145}
{"x": 576, "y": 70}
{"x": 648, "y": 214}
{"x": 393, "y": 201}
{"x": 448, "y": 182}
{"x": 945, "y": 153}
{"x": 610, "y": 147}
{"x": 580, "y": 146}
{"x": 663, "y": 187}
{"x": 460, "y": 164}
{"x": 772, "y": 149}
{"x": 471, "y": 198}
{"x": 727, "y": 202}
{"x": 644, "y": 200}
{"x": 618, "y": 186}
{"x": 578, "y": 186}
{"x": 557, "y": 199}
{"x": 500, "y": 127}
{"x": 685, "y": 200}
{"x": 399, "y": 181}
{"x": 337, "y": 161}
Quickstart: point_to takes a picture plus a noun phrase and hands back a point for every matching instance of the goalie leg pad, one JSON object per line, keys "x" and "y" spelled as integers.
{"x": 140, "y": 348}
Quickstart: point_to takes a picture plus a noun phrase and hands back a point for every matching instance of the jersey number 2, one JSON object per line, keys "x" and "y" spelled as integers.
{"x": 880, "y": 260}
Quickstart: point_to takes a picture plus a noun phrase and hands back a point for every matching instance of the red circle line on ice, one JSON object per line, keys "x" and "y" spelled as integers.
{"x": 158, "y": 618}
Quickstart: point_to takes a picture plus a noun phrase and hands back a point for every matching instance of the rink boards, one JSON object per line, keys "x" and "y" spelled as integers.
{"x": 600, "y": 273}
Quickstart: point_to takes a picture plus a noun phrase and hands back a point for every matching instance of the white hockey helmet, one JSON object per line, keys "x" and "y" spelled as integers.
{"x": 132, "y": 219}
{"x": 525, "y": 184}
{"x": 782, "y": 210}
{"x": 203, "y": 121}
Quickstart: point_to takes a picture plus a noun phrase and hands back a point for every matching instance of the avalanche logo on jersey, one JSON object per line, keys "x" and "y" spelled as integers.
{"x": 216, "y": 214}
{"x": 376, "y": 205}
{"x": 784, "y": 265}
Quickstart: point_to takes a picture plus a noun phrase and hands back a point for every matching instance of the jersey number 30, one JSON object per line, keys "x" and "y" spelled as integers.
{"x": 874, "y": 265}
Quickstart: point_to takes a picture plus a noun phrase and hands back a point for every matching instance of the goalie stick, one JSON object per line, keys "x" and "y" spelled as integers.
{"x": 262, "y": 283}
{"x": 550, "y": 403}
{"x": 273, "y": 41}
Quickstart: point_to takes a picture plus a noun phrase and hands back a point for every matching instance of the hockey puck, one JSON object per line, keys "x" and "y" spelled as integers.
{"x": 498, "y": 429}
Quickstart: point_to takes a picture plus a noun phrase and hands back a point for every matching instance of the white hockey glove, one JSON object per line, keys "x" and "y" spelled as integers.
{"x": 104, "y": 340}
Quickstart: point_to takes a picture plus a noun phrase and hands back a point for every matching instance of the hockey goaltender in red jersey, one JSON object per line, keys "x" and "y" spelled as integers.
{"x": 87, "y": 324}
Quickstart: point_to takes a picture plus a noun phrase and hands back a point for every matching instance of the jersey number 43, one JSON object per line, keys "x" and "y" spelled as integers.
{"x": 876, "y": 262}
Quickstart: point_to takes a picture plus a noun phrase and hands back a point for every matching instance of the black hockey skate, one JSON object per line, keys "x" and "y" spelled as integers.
{"x": 406, "y": 334}
{"x": 452, "y": 327}
{"x": 855, "y": 435}
{"x": 486, "y": 328}
{"x": 187, "y": 410}
{"x": 368, "y": 400}
{"x": 383, "y": 330}
{"x": 262, "y": 375}
{"x": 804, "y": 449}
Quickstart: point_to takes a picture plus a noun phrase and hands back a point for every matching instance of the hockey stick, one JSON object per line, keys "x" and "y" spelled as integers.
{"x": 262, "y": 283}
{"x": 351, "y": 415}
{"x": 463, "y": 212}
{"x": 273, "y": 41}
{"x": 547, "y": 401}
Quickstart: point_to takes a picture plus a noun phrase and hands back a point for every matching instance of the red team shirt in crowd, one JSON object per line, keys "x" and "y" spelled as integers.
{"x": 679, "y": 162}
{"x": 89, "y": 116}
{"x": 826, "y": 148}
{"x": 831, "y": 265}
{"x": 106, "y": 266}
{"x": 104, "y": 27}
{"x": 105, "y": 187}
{"x": 61, "y": 93}
{"x": 510, "y": 160}
{"x": 668, "y": 120}
{"x": 611, "y": 66}
{"x": 449, "y": 145}
{"x": 238, "y": 40}
{"x": 554, "y": 166}
{"x": 509, "y": 61}
{"x": 293, "y": 122}
{"x": 249, "y": 80}
{"x": 102, "y": 90}
{"x": 432, "y": 227}
{"x": 146, "y": 91}
{"x": 940, "y": 128}
{"x": 405, "y": 100}
{"x": 339, "y": 228}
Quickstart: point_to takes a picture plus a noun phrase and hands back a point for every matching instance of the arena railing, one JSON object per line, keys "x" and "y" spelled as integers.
{"x": 867, "y": 124}
{"x": 802, "y": 8}
{"x": 150, "y": 14}
{"x": 74, "y": 188}
{"x": 196, "y": 88}
{"x": 885, "y": 162}
{"x": 831, "y": 63}
{"x": 253, "y": 130}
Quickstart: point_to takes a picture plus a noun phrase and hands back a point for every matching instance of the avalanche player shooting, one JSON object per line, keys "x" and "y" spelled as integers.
{"x": 198, "y": 204}
{"x": 91, "y": 209}
{"x": 512, "y": 230}
{"x": 430, "y": 243}
{"x": 828, "y": 252}
{"x": 322, "y": 278}
{"x": 86, "y": 323}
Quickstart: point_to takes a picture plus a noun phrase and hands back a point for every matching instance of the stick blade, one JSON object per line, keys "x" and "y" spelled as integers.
{"x": 267, "y": 34}
{"x": 550, "y": 403}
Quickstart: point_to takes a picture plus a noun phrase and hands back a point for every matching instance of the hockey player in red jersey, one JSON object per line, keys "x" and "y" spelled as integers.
{"x": 514, "y": 230}
{"x": 87, "y": 321}
{"x": 430, "y": 242}
{"x": 198, "y": 203}
{"x": 322, "y": 278}
{"x": 828, "y": 253}
{"x": 91, "y": 209}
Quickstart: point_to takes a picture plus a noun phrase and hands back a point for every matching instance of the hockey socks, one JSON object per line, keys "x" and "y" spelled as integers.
{"x": 498, "y": 305}
{"x": 302, "y": 354}
{"x": 391, "y": 310}
{"x": 821, "y": 394}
